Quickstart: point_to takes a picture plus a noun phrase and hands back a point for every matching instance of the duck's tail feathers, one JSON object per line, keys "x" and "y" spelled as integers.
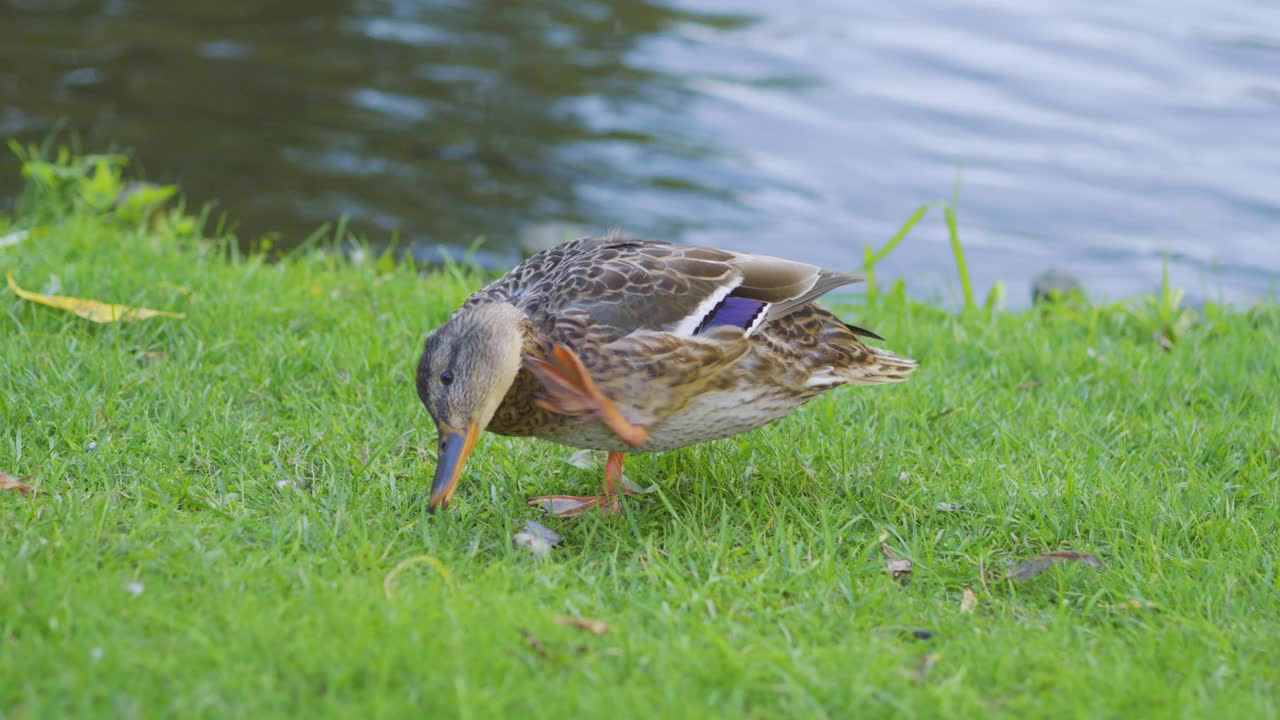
{"x": 877, "y": 367}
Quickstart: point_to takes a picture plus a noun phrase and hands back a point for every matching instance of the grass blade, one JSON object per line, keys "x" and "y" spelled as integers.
{"x": 961, "y": 266}
{"x": 869, "y": 272}
{"x": 897, "y": 238}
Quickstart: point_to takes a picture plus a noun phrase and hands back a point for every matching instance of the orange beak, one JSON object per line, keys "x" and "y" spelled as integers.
{"x": 455, "y": 448}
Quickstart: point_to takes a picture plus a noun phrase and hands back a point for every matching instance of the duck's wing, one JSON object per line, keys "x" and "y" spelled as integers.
{"x": 642, "y": 377}
{"x": 633, "y": 285}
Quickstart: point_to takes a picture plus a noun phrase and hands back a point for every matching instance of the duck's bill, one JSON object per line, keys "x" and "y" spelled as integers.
{"x": 455, "y": 447}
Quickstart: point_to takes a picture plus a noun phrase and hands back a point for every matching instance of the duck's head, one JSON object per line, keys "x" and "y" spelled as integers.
{"x": 466, "y": 369}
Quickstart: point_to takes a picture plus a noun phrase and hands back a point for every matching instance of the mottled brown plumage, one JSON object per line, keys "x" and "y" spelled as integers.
{"x": 677, "y": 345}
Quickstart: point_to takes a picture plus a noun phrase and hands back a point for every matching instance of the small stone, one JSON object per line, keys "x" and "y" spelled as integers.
{"x": 1054, "y": 284}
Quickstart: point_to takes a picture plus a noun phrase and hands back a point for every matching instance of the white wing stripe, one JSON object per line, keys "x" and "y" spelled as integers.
{"x": 690, "y": 323}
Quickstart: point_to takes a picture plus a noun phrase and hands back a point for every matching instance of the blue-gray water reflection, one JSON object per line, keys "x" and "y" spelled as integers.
{"x": 1091, "y": 136}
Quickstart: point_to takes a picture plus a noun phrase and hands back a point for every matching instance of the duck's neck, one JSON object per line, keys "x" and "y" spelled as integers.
{"x": 498, "y": 328}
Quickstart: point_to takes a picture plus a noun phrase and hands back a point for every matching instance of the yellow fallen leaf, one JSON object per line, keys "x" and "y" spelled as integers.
{"x": 968, "y": 601}
{"x": 91, "y": 310}
{"x": 9, "y": 482}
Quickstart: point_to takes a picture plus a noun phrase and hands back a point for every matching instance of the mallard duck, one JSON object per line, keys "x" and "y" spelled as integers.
{"x": 628, "y": 345}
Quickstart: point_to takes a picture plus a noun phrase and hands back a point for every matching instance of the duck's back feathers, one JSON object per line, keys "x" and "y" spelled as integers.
{"x": 632, "y": 285}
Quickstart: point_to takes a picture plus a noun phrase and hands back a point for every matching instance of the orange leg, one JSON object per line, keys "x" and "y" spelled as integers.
{"x": 573, "y": 505}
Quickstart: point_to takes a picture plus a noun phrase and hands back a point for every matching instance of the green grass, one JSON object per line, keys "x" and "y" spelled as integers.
{"x": 257, "y": 470}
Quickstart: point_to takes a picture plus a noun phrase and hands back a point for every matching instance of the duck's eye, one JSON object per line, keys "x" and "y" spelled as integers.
{"x": 446, "y": 377}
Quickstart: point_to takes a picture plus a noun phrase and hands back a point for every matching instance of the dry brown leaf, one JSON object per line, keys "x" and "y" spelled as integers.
{"x": 899, "y": 567}
{"x": 595, "y": 627}
{"x": 968, "y": 601}
{"x": 1036, "y": 565}
{"x": 9, "y": 482}
{"x": 1030, "y": 385}
{"x": 534, "y": 643}
{"x": 151, "y": 357}
{"x": 91, "y": 310}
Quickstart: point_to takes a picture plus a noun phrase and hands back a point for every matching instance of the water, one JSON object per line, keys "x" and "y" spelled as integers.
{"x": 1095, "y": 137}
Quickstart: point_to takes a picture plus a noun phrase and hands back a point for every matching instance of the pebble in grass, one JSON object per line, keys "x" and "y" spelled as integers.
{"x": 1054, "y": 284}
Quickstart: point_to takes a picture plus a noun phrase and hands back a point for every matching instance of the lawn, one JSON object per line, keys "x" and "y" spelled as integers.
{"x": 229, "y": 516}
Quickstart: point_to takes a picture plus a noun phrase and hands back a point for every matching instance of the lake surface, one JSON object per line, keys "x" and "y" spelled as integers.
{"x": 1094, "y": 137}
